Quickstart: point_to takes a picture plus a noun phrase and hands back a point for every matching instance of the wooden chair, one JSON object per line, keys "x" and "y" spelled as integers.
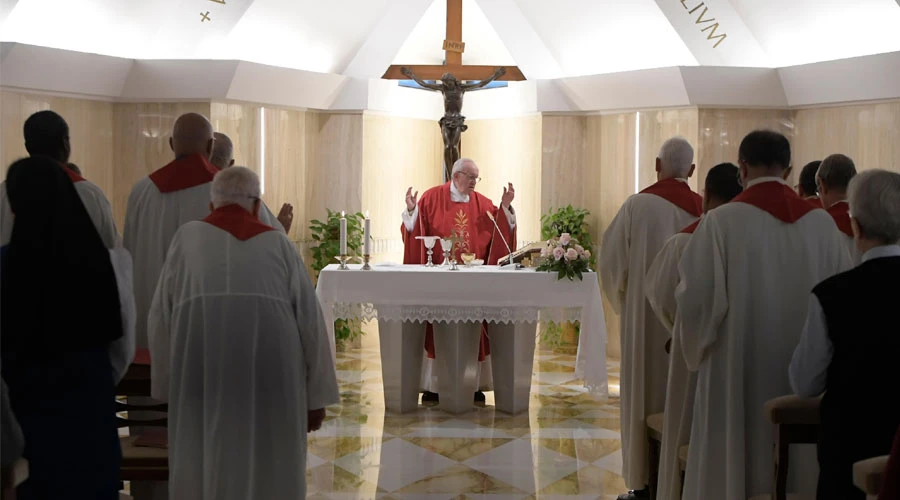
{"x": 141, "y": 463}
{"x": 796, "y": 421}
{"x": 654, "y": 438}
{"x": 868, "y": 475}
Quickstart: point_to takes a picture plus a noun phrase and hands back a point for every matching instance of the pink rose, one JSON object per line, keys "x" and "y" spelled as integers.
{"x": 558, "y": 253}
{"x": 579, "y": 249}
{"x": 571, "y": 254}
{"x": 587, "y": 254}
{"x": 564, "y": 239}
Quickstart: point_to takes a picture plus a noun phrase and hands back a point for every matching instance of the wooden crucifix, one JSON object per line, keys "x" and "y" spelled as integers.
{"x": 452, "y": 79}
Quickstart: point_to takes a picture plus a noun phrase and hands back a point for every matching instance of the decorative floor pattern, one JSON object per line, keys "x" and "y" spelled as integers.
{"x": 567, "y": 446}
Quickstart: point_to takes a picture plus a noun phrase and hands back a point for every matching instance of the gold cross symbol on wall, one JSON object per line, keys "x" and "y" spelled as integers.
{"x": 204, "y": 16}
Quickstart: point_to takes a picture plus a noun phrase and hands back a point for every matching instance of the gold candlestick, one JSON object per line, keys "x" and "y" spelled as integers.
{"x": 366, "y": 266}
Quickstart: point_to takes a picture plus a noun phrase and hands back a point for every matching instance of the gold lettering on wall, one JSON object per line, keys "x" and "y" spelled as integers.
{"x": 700, "y": 20}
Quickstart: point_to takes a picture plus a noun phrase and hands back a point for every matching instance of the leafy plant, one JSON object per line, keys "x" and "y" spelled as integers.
{"x": 570, "y": 220}
{"x": 328, "y": 236}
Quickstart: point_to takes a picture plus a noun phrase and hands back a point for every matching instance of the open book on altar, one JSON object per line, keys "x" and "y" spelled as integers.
{"x": 530, "y": 251}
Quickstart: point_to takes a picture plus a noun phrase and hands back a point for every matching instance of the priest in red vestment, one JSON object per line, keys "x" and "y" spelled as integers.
{"x": 832, "y": 179}
{"x": 806, "y": 186}
{"x": 455, "y": 209}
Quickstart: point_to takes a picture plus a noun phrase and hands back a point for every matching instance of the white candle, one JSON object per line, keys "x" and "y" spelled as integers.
{"x": 367, "y": 228}
{"x": 343, "y": 233}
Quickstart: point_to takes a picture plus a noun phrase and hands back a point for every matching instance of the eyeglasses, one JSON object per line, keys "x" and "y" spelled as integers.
{"x": 472, "y": 177}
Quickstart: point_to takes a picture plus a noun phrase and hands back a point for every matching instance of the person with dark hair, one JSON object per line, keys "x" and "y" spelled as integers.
{"x": 848, "y": 349}
{"x": 806, "y": 187}
{"x": 67, "y": 335}
{"x": 741, "y": 307}
{"x": 47, "y": 135}
{"x": 74, "y": 168}
{"x": 832, "y": 180}
{"x": 662, "y": 278}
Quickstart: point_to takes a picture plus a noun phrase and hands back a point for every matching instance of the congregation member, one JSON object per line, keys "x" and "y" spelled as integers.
{"x": 637, "y": 233}
{"x": 848, "y": 349}
{"x": 720, "y": 187}
{"x": 456, "y": 209}
{"x": 47, "y": 134}
{"x": 74, "y": 168}
{"x": 67, "y": 335}
{"x": 741, "y": 304}
{"x": 832, "y": 179}
{"x": 239, "y": 349}
{"x": 806, "y": 187}
{"x": 223, "y": 157}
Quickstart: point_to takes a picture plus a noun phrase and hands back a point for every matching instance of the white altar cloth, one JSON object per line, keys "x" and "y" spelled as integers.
{"x": 414, "y": 293}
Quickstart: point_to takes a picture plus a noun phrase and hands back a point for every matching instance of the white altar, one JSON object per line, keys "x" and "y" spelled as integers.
{"x": 403, "y": 297}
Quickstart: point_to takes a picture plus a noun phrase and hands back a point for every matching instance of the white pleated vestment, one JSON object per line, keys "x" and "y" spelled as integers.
{"x": 239, "y": 349}
{"x": 660, "y": 283}
{"x": 94, "y": 202}
{"x": 746, "y": 275}
{"x": 629, "y": 245}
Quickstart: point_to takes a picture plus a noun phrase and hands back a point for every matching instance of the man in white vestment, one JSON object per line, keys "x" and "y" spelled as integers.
{"x": 744, "y": 280}
{"x": 832, "y": 180}
{"x": 632, "y": 240}
{"x": 158, "y": 205}
{"x": 223, "y": 157}
{"x": 720, "y": 187}
{"x": 47, "y": 134}
{"x": 239, "y": 349}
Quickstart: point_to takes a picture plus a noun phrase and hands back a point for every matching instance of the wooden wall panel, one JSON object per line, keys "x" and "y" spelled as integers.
{"x": 563, "y": 161}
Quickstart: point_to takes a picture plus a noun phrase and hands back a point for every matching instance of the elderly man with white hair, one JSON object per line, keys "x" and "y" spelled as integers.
{"x": 637, "y": 233}
{"x": 456, "y": 209}
{"x": 239, "y": 349}
{"x": 223, "y": 157}
{"x": 849, "y": 348}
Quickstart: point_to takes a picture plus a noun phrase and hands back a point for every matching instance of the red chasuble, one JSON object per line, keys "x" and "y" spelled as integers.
{"x": 439, "y": 216}
{"x": 183, "y": 173}
{"x": 840, "y": 212}
{"x": 776, "y": 198}
{"x": 690, "y": 229}
{"x": 679, "y": 194}
{"x": 816, "y": 202}
{"x": 240, "y": 223}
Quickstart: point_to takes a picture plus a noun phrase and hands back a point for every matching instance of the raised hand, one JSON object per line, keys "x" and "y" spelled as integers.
{"x": 411, "y": 199}
{"x": 508, "y": 195}
{"x": 286, "y": 216}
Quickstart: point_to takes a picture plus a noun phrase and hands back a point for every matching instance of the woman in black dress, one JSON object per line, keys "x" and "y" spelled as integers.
{"x": 60, "y": 313}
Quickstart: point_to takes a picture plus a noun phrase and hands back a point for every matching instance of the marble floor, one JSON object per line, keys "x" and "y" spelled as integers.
{"x": 566, "y": 446}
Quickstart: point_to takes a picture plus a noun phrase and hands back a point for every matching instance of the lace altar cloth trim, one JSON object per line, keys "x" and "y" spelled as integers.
{"x": 451, "y": 314}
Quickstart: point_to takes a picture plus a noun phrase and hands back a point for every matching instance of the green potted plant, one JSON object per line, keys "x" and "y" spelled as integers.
{"x": 564, "y": 337}
{"x": 327, "y": 234}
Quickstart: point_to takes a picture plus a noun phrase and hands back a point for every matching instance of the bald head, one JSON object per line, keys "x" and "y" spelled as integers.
{"x": 675, "y": 160}
{"x": 192, "y": 134}
{"x": 223, "y": 152}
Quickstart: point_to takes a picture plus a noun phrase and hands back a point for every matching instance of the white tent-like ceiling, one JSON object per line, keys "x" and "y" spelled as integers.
{"x": 581, "y": 47}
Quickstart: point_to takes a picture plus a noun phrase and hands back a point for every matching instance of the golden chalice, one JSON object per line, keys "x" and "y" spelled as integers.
{"x": 467, "y": 258}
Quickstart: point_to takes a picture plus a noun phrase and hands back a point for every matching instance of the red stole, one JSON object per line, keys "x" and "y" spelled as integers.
{"x": 439, "y": 216}
{"x": 679, "y": 194}
{"x": 777, "y": 199}
{"x": 236, "y": 220}
{"x": 73, "y": 176}
{"x": 690, "y": 229}
{"x": 840, "y": 212}
{"x": 183, "y": 173}
{"x": 816, "y": 202}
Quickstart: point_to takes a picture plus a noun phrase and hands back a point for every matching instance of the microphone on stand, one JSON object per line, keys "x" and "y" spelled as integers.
{"x": 511, "y": 264}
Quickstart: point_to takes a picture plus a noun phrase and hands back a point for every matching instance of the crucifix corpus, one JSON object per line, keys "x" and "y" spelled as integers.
{"x": 453, "y": 79}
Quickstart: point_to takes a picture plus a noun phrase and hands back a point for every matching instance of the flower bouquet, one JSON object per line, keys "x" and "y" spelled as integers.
{"x": 566, "y": 257}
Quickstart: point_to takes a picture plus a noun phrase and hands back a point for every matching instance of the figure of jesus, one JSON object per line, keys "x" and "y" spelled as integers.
{"x": 453, "y": 122}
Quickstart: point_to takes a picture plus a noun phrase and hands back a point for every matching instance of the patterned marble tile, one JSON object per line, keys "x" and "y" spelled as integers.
{"x": 565, "y": 447}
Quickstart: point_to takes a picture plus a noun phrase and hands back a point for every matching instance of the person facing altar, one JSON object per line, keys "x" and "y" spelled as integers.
{"x": 455, "y": 210}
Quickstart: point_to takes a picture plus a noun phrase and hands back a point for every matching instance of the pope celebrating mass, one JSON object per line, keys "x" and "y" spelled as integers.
{"x": 455, "y": 209}
{"x": 239, "y": 350}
